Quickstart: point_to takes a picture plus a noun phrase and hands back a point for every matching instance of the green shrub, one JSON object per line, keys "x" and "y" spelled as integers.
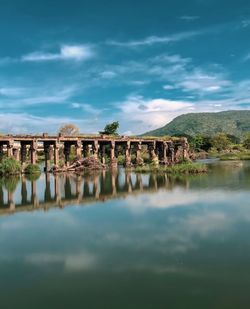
{"x": 121, "y": 159}
{"x": 32, "y": 169}
{"x": 10, "y": 166}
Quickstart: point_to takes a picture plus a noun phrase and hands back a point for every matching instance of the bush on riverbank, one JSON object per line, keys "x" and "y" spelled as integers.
{"x": 182, "y": 168}
{"x": 32, "y": 169}
{"x": 10, "y": 166}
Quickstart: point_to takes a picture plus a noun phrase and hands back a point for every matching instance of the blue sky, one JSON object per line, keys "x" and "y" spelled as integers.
{"x": 139, "y": 62}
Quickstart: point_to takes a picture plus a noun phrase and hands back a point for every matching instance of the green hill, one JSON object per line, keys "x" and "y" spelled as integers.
{"x": 235, "y": 123}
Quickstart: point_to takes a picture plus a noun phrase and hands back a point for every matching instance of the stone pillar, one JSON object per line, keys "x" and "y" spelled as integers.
{"x": 171, "y": 152}
{"x": 185, "y": 148}
{"x": 165, "y": 153}
{"x": 96, "y": 149}
{"x": 47, "y": 157}
{"x": 152, "y": 153}
{"x": 79, "y": 149}
{"x": 66, "y": 153}
{"x": 16, "y": 153}
{"x": 139, "y": 159}
{"x": 113, "y": 160}
{"x": 56, "y": 153}
{"x": 128, "y": 155}
{"x": 10, "y": 148}
{"x": 33, "y": 152}
{"x": 51, "y": 152}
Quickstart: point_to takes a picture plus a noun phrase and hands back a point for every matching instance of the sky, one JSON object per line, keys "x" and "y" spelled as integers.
{"x": 141, "y": 63}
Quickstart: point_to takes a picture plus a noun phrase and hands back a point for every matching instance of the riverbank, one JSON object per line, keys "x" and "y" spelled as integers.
{"x": 181, "y": 168}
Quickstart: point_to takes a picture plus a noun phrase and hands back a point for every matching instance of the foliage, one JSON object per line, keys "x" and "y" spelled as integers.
{"x": 220, "y": 141}
{"x": 235, "y": 156}
{"x": 200, "y": 142}
{"x": 69, "y": 130}
{"x": 235, "y": 123}
{"x": 10, "y": 166}
{"x": 32, "y": 169}
{"x": 182, "y": 168}
{"x": 246, "y": 141}
{"x": 121, "y": 159}
{"x": 10, "y": 182}
{"x": 111, "y": 128}
{"x": 187, "y": 168}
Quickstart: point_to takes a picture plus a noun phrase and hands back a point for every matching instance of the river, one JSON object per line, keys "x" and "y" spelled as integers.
{"x": 125, "y": 240}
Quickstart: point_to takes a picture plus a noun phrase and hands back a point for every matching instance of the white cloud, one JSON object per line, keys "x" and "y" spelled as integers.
{"x": 11, "y": 92}
{"x": 67, "y": 52}
{"x": 189, "y": 17}
{"x": 151, "y": 40}
{"x": 245, "y": 23}
{"x": 142, "y": 114}
{"x": 168, "y": 87}
{"x": 200, "y": 81}
{"x": 108, "y": 74}
{"x": 18, "y": 123}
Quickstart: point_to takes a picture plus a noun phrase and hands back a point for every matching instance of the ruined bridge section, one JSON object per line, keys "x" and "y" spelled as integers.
{"x": 25, "y": 147}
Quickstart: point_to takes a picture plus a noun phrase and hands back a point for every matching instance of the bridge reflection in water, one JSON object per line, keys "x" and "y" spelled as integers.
{"x": 24, "y": 194}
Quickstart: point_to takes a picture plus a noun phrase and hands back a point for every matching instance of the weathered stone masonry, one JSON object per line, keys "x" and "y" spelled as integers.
{"x": 26, "y": 146}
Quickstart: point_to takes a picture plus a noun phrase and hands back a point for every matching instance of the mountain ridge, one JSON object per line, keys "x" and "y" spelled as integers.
{"x": 232, "y": 122}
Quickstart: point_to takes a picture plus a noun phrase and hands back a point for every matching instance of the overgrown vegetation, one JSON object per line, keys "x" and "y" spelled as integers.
{"x": 223, "y": 146}
{"x": 32, "y": 169}
{"x": 182, "y": 168}
{"x": 10, "y": 166}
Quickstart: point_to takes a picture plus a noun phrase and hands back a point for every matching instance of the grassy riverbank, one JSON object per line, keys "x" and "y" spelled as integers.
{"x": 178, "y": 169}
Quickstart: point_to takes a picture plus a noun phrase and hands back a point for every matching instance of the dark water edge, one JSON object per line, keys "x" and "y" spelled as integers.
{"x": 125, "y": 240}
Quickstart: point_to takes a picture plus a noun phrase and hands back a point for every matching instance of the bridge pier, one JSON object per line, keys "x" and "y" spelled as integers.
{"x": 139, "y": 159}
{"x": 96, "y": 147}
{"x": 56, "y": 153}
{"x": 113, "y": 159}
{"x": 33, "y": 152}
{"x": 128, "y": 154}
{"x": 16, "y": 153}
{"x": 152, "y": 153}
{"x": 10, "y": 145}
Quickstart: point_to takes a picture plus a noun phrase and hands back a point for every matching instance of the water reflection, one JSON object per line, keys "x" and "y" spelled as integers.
{"x": 141, "y": 251}
{"x": 17, "y": 194}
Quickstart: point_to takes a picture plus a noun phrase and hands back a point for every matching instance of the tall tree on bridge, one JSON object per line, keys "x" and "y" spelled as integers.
{"x": 69, "y": 130}
{"x": 111, "y": 128}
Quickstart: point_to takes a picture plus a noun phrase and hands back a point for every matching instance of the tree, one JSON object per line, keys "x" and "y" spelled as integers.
{"x": 220, "y": 141}
{"x": 111, "y": 128}
{"x": 200, "y": 142}
{"x": 69, "y": 129}
{"x": 246, "y": 141}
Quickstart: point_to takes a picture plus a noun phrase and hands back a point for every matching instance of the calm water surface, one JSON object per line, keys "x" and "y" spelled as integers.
{"x": 123, "y": 240}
